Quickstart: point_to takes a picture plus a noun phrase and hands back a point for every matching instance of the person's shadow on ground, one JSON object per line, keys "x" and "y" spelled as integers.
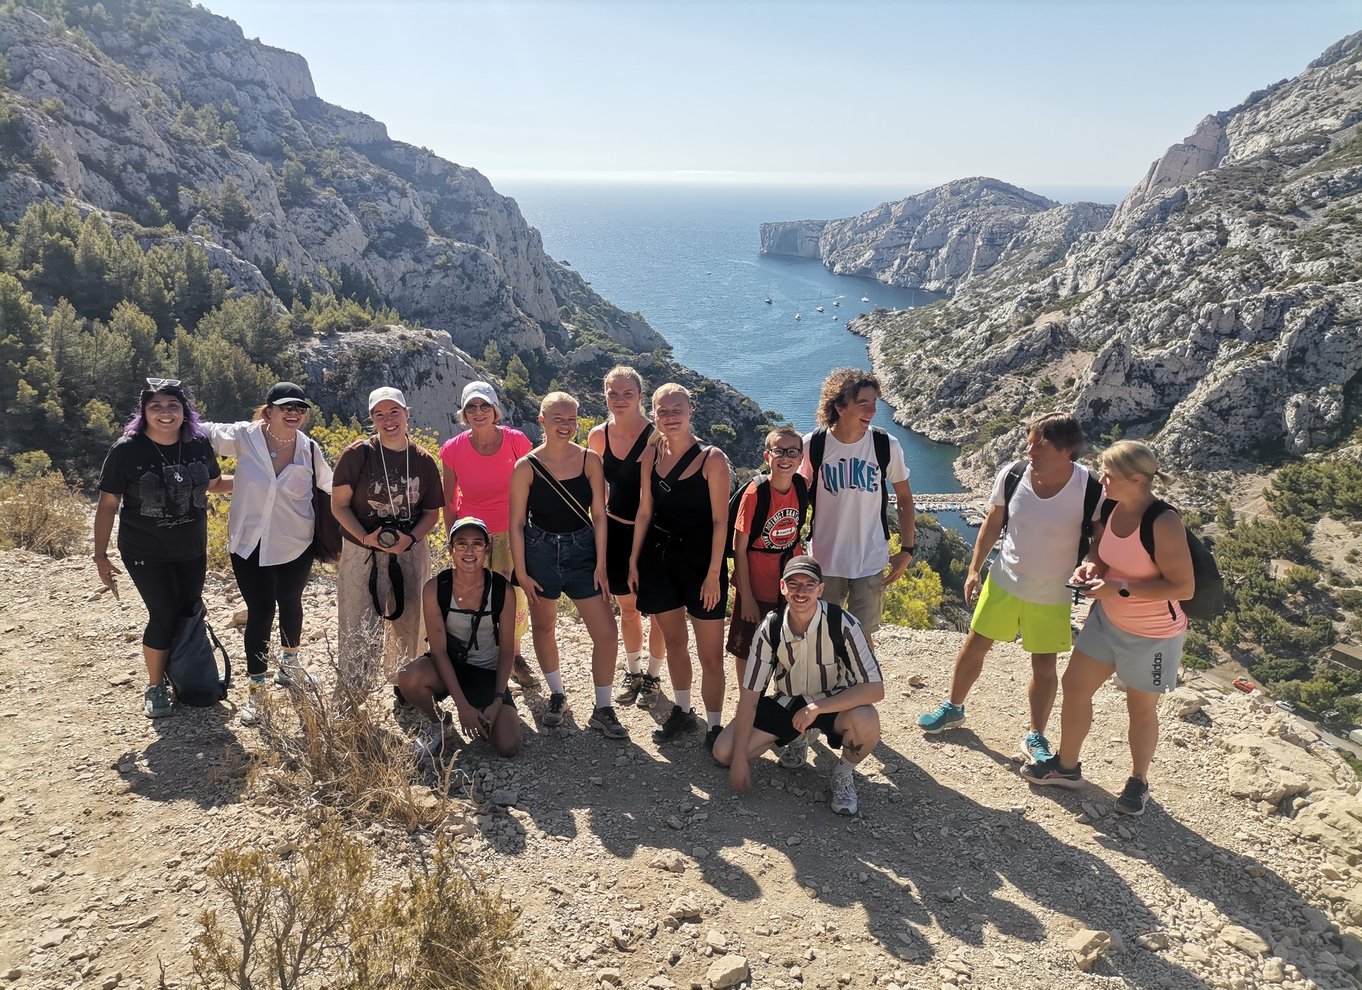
{"x": 195, "y": 756}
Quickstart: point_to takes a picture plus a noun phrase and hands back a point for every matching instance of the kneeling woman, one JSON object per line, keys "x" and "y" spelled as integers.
{"x": 558, "y": 545}
{"x": 470, "y": 625}
{"x": 1136, "y": 627}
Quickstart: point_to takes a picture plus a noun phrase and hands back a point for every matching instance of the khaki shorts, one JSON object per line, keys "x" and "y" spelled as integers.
{"x": 862, "y": 597}
{"x": 500, "y": 561}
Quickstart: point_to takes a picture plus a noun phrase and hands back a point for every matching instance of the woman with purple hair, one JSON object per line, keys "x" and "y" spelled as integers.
{"x": 161, "y": 471}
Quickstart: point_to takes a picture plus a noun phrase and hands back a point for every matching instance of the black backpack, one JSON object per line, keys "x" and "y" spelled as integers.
{"x": 839, "y": 643}
{"x": 493, "y": 600}
{"x": 762, "y": 512}
{"x": 1092, "y": 494}
{"x": 192, "y": 668}
{"x": 818, "y": 441}
{"x": 1208, "y": 596}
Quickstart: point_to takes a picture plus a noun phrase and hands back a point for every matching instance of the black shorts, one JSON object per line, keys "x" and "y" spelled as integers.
{"x": 775, "y": 718}
{"x": 479, "y": 686}
{"x": 740, "y": 631}
{"x": 671, "y": 571}
{"x": 619, "y": 544}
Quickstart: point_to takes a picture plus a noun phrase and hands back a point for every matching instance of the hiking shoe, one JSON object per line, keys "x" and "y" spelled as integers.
{"x": 711, "y": 735}
{"x": 946, "y": 716}
{"x": 250, "y": 711}
{"x": 678, "y": 721}
{"x": 796, "y": 754}
{"x": 1134, "y": 798}
{"x": 609, "y": 725}
{"x": 553, "y": 715}
{"x": 649, "y": 691}
{"x": 431, "y": 741}
{"x": 293, "y": 674}
{"x": 156, "y": 701}
{"x": 843, "y": 789}
{"x": 521, "y": 672}
{"x": 1036, "y": 747}
{"x": 1051, "y": 773}
{"x": 629, "y": 689}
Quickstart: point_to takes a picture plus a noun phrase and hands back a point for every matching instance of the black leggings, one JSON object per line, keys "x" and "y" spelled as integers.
{"x": 263, "y": 588}
{"x": 169, "y": 589}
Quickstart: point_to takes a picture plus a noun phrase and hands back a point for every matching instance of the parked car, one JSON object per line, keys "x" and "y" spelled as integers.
{"x": 1286, "y": 706}
{"x": 1243, "y": 684}
{"x": 1355, "y": 736}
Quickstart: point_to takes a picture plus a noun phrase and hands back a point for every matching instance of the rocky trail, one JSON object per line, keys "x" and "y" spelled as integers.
{"x": 637, "y": 866}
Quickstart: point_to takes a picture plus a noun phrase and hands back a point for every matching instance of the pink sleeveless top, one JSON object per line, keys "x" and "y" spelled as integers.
{"x": 1127, "y": 560}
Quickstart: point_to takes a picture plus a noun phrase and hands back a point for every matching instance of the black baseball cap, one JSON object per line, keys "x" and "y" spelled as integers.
{"x": 281, "y": 393}
{"x": 803, "y": 564}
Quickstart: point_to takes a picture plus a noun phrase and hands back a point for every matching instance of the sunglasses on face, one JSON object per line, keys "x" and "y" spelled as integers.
{"x": 294, "y": 406}
{"x": 788, "y": 452}
{"x": 477, "y": 407}
{"x": 163, "y": 382}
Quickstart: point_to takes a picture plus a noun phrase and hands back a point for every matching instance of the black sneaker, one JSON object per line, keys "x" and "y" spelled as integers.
{"x": 1051, "y": 773}
{"x": 1134, "y": 798}
{"x": 553, "y": 715}
{"x": 710, "y": 736}
{"x": 632, "y": 685}
{"x": 605, "y": 720}
{"x": 678, "y": 721}
{"x": 650, "y": 689}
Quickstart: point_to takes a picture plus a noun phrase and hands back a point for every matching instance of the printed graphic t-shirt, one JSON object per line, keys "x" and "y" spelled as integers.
{"x": 779, "y": 533}
{"x": 847, "y": 539}
{"x": 165, "y": 496}
{"x": 1040, "y": 546}
{"x": 484, "y": 480}
{"x": 386, "y": 485}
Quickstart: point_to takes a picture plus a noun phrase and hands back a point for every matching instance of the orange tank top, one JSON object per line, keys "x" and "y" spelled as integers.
{"x": 1127, "y": 560}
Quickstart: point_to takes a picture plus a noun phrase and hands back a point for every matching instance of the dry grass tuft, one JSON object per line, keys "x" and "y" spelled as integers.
{"x": 39, "y": 511}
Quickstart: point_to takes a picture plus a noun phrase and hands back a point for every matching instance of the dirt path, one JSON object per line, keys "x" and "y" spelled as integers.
{"x": 636, "y": 864}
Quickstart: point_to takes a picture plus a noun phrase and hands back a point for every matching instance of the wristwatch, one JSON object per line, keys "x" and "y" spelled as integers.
{"x": 1124, "y": 590}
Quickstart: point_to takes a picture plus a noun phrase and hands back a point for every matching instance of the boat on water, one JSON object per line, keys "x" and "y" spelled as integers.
{"x": 768, "y": 300}
{"x": 818, "y": 309}
{"x": 836, "y": 317}
{"x": 865, "y": 299}
{"x": 837, "y": 302}
{"x": 798, "y": 317}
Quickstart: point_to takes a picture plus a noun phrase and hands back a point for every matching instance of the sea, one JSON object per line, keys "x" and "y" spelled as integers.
{"x": 688, "y": 258}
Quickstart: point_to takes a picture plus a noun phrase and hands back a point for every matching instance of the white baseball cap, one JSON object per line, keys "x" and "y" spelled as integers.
{"x": 387, "y": 394}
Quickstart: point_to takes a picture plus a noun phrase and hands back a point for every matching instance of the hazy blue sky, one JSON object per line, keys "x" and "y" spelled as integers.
{"x": 912, "y": 94}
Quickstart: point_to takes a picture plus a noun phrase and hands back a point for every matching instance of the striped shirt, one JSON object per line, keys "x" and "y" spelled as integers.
{"x": 807, "y": 666}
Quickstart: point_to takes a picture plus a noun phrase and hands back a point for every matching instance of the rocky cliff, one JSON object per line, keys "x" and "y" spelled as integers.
{"x": 943, "y": 238}
{"x": 1218, "y": 312}
{"x": 165, "y": 117}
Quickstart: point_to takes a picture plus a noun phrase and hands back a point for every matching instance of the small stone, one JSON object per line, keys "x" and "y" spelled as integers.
{"x": 504, "y": 797}
{"x": 700, "y": 852}
{"x": 727, "y": 971}
{"x": 1274, "y": 971}
{"x": 13, "y": 973}
{"x": 112, "y": 980}
{"x": 916, "y": 681}
{"x": 1153, "y": 941}
{"x": 794, "y": 840}
{"x": 669, "y": 861}
{"x": 684, "y": 909}
{"x": 1244, "y": 940}
{"x": 716, "y": 940}
{"x": 609, "y": 975}
{"x": 1087, "y": 945}
{"x": 675, "y": 823}
{"x": 53, "y": 937}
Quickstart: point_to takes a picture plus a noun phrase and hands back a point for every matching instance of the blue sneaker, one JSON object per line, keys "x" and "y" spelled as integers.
{"x": 946, "y": 716}
{"x": 1036, "y": 747}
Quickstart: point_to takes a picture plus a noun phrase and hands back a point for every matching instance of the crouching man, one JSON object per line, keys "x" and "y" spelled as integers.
{"x": 823, "y": 676}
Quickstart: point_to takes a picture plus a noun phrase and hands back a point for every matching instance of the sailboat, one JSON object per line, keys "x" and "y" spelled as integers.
{"x": 818, "y": 309}
{"x": 837, "y": 302}
{"x": 865, "y": 299}
{"x": 798, "y": 317}
{"x": 768, "y": 297}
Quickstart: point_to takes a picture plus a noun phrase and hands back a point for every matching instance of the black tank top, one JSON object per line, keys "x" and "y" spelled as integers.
{"x": 623, "y": 476}
{"x": 549, "y": 510}
{"x": 681, "y": 505}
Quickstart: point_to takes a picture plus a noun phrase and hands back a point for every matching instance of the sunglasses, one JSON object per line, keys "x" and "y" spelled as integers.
{"x": 163, "y": 382}
{"x": 293, "y": 406}
{"x": 477, "y": 407}
{"x": 789, "y": 452}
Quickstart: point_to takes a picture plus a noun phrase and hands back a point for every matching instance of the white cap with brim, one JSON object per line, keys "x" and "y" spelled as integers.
{"x": 480, "y": 390}
{"x": 387, "y": 394}
{"x": 469, "y": 522}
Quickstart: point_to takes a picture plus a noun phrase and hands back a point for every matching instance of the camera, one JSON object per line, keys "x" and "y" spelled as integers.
{"x": 388, "y": 534}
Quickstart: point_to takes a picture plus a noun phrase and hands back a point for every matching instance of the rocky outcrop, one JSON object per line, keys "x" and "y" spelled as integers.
{"x": 170, "y": 121}
{"x": 1216, "y": 313}
{"x": 943, "y": 238}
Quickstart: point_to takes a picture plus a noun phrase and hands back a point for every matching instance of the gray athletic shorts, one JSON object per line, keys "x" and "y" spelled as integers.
{"x": 1142, "y": 662}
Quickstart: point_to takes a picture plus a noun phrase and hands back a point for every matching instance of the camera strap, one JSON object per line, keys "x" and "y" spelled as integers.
{"x": 395, "y": 581}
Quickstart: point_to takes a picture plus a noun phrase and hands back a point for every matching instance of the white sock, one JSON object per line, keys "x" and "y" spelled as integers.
{"x": 654, "y": 665}
{"x": 603, "y": 696}
{"x": 715, "y": 719}
{"x": 555, "y": 681}
{"x": 683, "y": 699}
{"x": 631, "y": 661}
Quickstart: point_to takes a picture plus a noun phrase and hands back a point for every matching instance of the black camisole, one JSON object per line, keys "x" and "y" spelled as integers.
{"x": 623, "y": 476}
{"x": 549, "y": 511}
{"x": 681, "y": 505}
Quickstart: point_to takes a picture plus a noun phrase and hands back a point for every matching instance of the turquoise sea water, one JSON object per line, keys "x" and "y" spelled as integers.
{"x": 687, "y": 258}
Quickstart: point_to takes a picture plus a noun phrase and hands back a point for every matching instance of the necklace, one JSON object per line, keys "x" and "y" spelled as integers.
{"x": 175, "y": 471}
{"x": 274, "y": 452}
{"x": 461, "y": 597}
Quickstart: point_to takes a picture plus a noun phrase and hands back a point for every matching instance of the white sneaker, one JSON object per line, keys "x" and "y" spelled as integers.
{"x": 249, "y": 714}
{"x": 843, "y": 789}
{"x": 431, "y": 741}
{"x": 796, "y": 754}
{"x": 293, "y": 674}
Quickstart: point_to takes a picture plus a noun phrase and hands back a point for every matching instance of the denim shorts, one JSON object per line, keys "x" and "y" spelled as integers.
{"x": 562, "y": 563}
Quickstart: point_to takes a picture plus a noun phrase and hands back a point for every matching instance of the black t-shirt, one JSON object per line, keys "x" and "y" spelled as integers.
{"x": 165, "y": 496}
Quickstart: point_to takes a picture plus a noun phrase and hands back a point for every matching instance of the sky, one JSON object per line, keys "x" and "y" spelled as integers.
{"x": 1041, "y": 93}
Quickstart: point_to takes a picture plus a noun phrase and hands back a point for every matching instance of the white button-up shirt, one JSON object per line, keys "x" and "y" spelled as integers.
{"x": 807, "y": 665}
{"x": 271, "y": 512}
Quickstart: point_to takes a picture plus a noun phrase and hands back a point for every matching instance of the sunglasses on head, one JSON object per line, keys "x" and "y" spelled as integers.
{"x": 163, "y": 382}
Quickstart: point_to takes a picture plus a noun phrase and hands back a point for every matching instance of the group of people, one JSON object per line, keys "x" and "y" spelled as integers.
{"x": 636, "y": 523}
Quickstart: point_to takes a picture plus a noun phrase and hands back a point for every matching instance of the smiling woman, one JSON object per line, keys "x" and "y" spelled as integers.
{"x": 160, "y": 472}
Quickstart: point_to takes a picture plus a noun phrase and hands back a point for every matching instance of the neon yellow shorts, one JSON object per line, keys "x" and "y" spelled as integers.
{"x": 1001, "y": 616}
